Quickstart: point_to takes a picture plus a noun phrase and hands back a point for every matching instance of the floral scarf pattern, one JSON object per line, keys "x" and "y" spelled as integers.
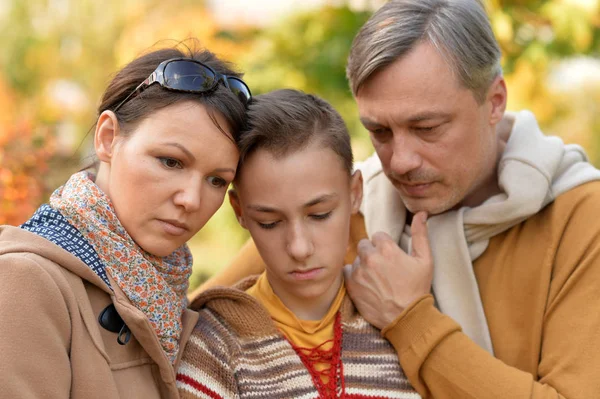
{"x": 155, "y": 285}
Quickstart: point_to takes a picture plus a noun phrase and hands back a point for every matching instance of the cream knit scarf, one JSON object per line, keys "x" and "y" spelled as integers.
{"x": 533, "y": 170}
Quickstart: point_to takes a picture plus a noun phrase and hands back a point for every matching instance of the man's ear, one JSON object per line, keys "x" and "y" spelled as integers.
{"x": 497, "y": 97}
{"x": 237, "y": 208}
{"x": 106, "y": 135}
{"x": 356, "y": 190}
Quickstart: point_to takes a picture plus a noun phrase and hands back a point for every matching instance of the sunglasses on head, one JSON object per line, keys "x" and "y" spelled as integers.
{"x": 190, "y": 76}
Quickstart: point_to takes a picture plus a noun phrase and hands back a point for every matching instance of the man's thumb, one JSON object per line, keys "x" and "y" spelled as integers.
{"x": 420, "y": 239}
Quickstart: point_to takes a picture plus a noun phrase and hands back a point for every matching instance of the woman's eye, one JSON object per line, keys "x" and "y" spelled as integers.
{"x": 267, "y": 226}
{"x": 217, "y": 182}
{"x": 321, "y": 216}
{"x": 170, "y": 163}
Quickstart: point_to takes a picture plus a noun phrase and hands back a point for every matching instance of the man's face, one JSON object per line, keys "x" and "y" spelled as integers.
{"x": 436, "y": 143}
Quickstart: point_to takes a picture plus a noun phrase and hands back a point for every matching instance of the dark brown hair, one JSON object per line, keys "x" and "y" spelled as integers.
{"x": 131, "y": 113}
{"x": 285, "y": 121}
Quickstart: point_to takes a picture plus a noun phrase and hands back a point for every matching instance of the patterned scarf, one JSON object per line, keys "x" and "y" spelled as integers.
{"x": 157, "y": 286}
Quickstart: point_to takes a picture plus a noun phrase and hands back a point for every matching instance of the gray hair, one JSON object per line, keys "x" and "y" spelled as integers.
{"x": 459, "y": 29}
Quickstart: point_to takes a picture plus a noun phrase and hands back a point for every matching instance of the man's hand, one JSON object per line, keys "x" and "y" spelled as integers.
{"x": 384, "y": 279}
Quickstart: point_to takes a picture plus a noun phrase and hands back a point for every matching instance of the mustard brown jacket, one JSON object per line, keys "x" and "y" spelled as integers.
{"x": 51, "y": 342}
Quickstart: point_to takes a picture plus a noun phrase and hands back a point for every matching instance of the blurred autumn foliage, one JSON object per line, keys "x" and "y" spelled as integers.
{"x": 57, "y": 56}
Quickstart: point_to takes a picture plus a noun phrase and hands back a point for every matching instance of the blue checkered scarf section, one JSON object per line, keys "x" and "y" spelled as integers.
{"x": 52, "y": 225}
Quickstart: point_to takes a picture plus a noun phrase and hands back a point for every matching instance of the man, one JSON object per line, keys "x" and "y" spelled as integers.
{"x": 512, "y": 227}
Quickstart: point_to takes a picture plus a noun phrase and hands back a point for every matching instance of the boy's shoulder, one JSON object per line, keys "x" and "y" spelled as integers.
{"x": 231, "y": 311}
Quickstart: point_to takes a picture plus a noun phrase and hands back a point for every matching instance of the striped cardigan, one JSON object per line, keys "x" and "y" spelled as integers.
{"x": 236, "y": 351}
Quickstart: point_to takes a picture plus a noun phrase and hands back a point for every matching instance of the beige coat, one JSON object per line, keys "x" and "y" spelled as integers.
{"x": 51, "y": 343}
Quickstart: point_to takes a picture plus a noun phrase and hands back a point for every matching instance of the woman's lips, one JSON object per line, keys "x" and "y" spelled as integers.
{"x": 173, "y": 227}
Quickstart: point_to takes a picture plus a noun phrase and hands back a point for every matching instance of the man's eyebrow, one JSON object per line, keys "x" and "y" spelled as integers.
{"x": 369, "y": 124}
{"x": 424, "y": 116}
{"x": 419, "y": 117}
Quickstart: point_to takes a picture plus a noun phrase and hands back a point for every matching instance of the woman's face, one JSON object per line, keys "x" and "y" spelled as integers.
{"x": 169, "y": 176}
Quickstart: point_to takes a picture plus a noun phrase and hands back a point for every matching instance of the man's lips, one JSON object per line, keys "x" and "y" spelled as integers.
{"x": 413, "y": 189}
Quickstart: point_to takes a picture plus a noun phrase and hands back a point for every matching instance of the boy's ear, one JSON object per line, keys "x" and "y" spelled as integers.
{"x": 356, "y": 190}
{"x": 237, "y": 208}
{"x": 106, "y": 135}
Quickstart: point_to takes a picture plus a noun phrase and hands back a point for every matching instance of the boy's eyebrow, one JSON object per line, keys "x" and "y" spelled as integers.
{"x": 318, "y": 200}
{"x": 322, "y": 198}
{"x": 261, "y": 208}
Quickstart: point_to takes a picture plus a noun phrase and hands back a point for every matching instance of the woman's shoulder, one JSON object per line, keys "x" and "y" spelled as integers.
{"x": 21, "y": 249}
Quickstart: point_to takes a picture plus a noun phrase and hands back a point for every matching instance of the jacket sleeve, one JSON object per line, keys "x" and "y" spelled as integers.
{"x": 206, "y": 369}
{"x": 442, "y": 362}
{"x": 34, "y": 331}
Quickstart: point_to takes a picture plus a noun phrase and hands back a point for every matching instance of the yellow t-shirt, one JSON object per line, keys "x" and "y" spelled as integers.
{"x": 301, "y": 333}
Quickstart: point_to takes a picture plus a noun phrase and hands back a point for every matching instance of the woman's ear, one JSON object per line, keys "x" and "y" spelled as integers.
{"x": 106, "y": 135}
{"x": 356, "y": 190}
{"x": 237, "y": 208}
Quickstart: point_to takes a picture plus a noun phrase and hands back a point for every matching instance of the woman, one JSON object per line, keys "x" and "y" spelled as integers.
{"x": 292, "y": 332}
{"x": 92, "y": 287}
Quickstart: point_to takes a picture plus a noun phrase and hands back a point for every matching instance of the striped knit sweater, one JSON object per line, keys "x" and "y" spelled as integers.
{"x": 236, "y": 351}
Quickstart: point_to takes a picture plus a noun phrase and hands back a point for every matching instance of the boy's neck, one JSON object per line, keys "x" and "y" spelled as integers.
{"x": 310, "y": 308}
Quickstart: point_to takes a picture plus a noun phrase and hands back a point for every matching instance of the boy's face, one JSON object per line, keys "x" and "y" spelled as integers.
{"x": 297, "y": 209}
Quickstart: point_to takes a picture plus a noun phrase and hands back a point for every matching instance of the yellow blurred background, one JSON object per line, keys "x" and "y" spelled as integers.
{"x": 57, "y": 56}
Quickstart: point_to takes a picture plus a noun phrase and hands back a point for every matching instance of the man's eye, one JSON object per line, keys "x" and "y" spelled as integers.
{"x": 170, "y": 163}
{"x": 425, "y": 128}
{"x": 381, "y": 134}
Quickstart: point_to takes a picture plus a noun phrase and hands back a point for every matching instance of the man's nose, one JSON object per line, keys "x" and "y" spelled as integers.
{"x": 405, "y": 156}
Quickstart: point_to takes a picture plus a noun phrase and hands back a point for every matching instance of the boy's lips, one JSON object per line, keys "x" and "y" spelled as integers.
{"x": 306, "y": 274}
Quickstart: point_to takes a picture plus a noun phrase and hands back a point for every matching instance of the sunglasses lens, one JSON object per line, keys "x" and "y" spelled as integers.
{"x": 240, "y": 89}
{"x": 188, "y": 76}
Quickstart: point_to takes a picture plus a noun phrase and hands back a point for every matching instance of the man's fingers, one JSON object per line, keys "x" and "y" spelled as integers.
{"x": 420, "y": 239}
{"x": 348, "y": 270}
{"x": 381, "y": 238}
{"x": 364, "y": 248}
